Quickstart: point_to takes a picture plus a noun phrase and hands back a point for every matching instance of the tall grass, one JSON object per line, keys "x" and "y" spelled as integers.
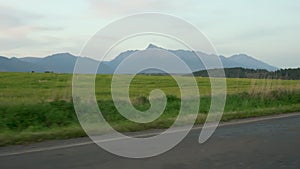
{"x": 31, "y": 88}
{"x": 36, "y": 106}
{"x": 47, "y": 120}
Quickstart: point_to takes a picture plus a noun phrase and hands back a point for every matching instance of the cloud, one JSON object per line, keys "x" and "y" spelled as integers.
{"x": 11, "y": 17}
{"x": 111, "y": 8}
{"x": 44, "y": 28}
{"x": 14, "y": 27}
{"x": 18, "y": 29}
{"x": 9, "y": 43}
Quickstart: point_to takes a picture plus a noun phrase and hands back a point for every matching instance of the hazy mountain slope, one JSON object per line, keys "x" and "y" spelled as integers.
{"x": 30, "y": 59}
{"x": 61, "y": 63}
{"x": 16, "y": 65}
{"x": 64, "y": 62}
{"x": 246, "y": 61}
{"x": 196, "y": 63}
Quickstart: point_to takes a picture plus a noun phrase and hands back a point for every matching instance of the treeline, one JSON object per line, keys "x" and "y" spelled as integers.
{"x": 286, "y": 74}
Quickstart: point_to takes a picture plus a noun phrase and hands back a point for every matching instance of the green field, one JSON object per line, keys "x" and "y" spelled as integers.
{"x": 38, "y": 106}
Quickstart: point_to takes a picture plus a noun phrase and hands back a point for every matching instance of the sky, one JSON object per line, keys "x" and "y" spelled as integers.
{"x": 267, "y": 30}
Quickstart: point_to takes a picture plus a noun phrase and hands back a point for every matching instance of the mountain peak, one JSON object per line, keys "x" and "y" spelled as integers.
{"x": 61, "y": 55}
{"x": 152, "y": 46}
{"x": 241, "y": 55}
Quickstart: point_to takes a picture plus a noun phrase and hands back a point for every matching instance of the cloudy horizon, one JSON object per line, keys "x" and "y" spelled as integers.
{"x": 266, "y": 30}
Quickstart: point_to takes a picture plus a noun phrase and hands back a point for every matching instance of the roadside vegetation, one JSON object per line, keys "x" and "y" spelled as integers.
{"x": 37, "y": 106}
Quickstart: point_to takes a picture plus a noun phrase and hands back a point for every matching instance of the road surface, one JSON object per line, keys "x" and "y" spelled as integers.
{"x": 260, "y": 143}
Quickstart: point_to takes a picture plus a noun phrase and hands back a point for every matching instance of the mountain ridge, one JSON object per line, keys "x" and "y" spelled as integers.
{"x": 65, "y": 62}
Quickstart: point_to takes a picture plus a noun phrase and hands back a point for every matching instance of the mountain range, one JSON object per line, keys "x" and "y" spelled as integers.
{"x": 64, "y": 62}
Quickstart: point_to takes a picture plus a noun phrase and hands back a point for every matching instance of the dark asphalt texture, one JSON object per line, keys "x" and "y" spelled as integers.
{"x": 267, "y": 144}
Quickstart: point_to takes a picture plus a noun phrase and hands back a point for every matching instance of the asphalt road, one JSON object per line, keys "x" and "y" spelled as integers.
{"x": 270, "y": 143}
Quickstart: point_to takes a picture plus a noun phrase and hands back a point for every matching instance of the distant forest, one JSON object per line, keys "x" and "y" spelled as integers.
{"x": 286, "y": 74}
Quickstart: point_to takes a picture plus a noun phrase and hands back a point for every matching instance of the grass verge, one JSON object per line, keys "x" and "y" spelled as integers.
{"x": 28, "y": 123}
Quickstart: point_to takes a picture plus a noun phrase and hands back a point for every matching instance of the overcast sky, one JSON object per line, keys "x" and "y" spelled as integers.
{"x": 268, "y": 30}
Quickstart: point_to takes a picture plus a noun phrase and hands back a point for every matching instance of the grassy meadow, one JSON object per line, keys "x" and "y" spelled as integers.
{"x": 38, "y": 106}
